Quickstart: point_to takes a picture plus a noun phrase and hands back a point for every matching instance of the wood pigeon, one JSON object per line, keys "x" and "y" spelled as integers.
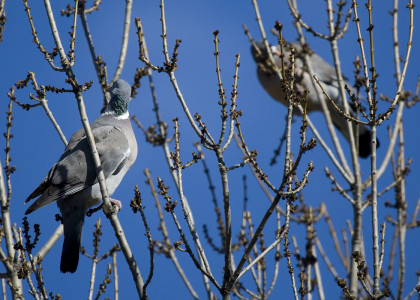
{"x": 303, "y": 81}
{"x": 72, "y": 180}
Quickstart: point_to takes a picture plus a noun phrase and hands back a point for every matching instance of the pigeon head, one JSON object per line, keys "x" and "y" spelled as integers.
{"x": 120, "y": 97}
{"x": 262, "y": 59}
{"x": 260, "y": 56}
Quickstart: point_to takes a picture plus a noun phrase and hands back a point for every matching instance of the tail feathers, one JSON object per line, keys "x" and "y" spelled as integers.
{"x": 364, "y": 144}
{"x": 363, "y": 138}
{"x": 38, "y": 191}
{"x": 73, "y": 225}
{"x": 42, "y": 201}
{"x": 45, "y": 199}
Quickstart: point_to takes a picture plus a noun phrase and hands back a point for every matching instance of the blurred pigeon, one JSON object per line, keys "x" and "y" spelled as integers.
{"x": 72, "y": 180}
{"x": 327, "y": 76}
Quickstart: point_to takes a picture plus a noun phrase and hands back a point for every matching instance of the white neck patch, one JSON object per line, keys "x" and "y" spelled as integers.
{"x": 124, "y": 116}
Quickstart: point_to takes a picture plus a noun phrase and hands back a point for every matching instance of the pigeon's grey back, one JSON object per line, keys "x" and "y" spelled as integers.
{"x": 324, "y": 71}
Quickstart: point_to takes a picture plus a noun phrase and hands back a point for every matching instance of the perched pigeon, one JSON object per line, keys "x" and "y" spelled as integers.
{"x": 72, "y": 180}
{"x": 327, "y": 76}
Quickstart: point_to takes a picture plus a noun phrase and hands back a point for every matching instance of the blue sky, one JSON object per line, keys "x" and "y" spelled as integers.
{"x": 36, "y": 146}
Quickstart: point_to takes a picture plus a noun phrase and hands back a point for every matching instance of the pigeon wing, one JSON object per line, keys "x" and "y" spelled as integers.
{"x": 113, "y": 149}
{"x": 75, "y": 170}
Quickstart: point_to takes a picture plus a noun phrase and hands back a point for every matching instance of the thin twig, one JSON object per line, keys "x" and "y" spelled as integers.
{"x": 124, "y": 44}
{"x": 167, "y": 242}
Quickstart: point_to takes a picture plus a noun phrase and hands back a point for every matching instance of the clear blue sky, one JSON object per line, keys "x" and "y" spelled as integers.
{"x": 36, "y": 146}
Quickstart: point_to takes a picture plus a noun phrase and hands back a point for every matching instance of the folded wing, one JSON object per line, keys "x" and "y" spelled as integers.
{"x": 75, "y": 170}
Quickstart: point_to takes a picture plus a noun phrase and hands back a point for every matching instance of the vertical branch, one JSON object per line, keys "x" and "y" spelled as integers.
{"x": 381, "y": 261}
{"x": 263, "y": 35}
{"x": 289, "y": 119}
{"x": 400, "y": 195}
{"x": 318, "y": 276}
{"x": 137, "y": 206}
{"x": 374, "y": 216}
{"x": 96, "y": 238}
{"x": 89, "y": 39}
{"x": 186, "y": 208}
{"x": 222, "y": 94}
{"x": 397, "y": 61}
{"x": 170, "y": 206}
{"x": 99, "y": 65}
{"x": 16, "y": 287}
{"x": 92, "y": 279}
{"x": 356, "y": 238}
{"x": 402, "y": 215}
{"x": 123, "y": 52}
{"x": 3, "y": 288}
{"x": 8, "y": 169}
{"x": 219, "y": 218}
{"x": 233, "y": 111}
{"x": 337, "y": 65}
{"x": 357, "y": 191}
{"x": 227, "y": 214}
{"x": 287, "y": 253}
{"x": 170, "y": 250}
{"x": 276, "y": 257}
{"x": 73, "y": 33}
{"x": 114, "y": 267}
{"x": 156, "y": 110}
{"x": 373, "y": 108}
{"x": 102, "y": 286}
{"x": 164, "y": 36}
{"x": 2, "y": 22}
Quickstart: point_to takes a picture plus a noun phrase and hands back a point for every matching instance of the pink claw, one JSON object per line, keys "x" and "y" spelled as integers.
{"x": 117, "y": 203}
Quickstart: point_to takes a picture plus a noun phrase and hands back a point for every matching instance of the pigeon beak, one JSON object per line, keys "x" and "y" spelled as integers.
{"x": 274, "y": 49}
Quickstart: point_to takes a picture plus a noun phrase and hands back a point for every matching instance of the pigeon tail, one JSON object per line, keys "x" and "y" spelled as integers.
{"x": 364, "y": 144}
{"x": 73, "y": 224}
